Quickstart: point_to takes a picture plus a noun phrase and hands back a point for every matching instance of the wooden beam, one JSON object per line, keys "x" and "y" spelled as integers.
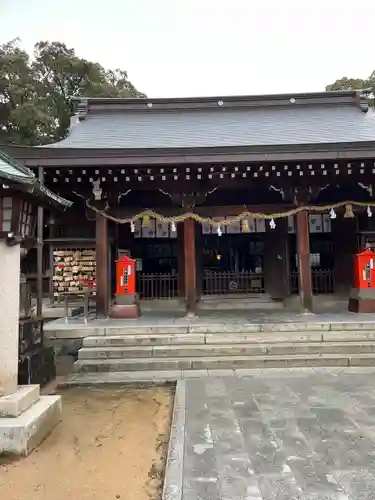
{"x": 39, "y": 261}
{"x": 304, "y": 269}
{"x": 102, "y": 266}
{"x": 190, "y": 273}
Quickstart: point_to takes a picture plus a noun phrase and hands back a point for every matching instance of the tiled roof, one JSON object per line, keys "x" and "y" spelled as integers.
{"x": 16, "y": 174}
{"x": 11, "y": 168}
{"x": 190, "y": 128}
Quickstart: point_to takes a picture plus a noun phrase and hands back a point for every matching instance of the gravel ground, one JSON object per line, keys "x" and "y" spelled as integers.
{"x": 111, "y": 444}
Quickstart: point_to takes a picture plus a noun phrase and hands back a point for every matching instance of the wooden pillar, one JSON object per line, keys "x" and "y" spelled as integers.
{"x": 181, "y": 259}
{"x": 304, "y": 269}
{"x": 276, "y": 260}
{"x": 39, "y": 250}
{"x": 190, "y": 272}
{"x": 102, "y": 263}
{"x": 199, "y": 260}
{"x": 344, "y": 247}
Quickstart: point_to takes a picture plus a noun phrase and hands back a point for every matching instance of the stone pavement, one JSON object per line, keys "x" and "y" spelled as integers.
{"x": 301, "y": 434}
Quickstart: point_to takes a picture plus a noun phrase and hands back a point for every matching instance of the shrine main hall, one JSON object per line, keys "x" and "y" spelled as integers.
{"x": 242, "y": 197}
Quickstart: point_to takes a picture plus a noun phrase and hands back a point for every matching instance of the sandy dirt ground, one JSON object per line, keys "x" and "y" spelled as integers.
{"x": 111, "y": 444}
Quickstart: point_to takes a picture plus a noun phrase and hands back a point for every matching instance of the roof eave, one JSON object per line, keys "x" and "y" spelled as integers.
{"x": 35, "y": 188}
{"x": 64, "y": 157}
{"x": 17, "y": 179}
{"x": 24, "y": 170}
{"x": 52, "y": 198}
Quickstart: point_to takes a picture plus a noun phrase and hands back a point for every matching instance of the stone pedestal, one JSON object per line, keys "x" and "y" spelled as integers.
{"x": 126, "y": 306}
{"x": 26, "y": 418}
{"x": 362, "y": 300}
{"x": 9, "y": 313}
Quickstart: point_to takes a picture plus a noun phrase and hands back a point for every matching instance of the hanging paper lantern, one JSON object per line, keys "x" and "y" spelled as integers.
{"x": 219, "y": 231}
{"x": 245, "y": 226}
{"x": 272, "y": 224}
{"x": 173, "y": 227}
{"x": 369, "y": 211}
{"x": 132, "y": 227}
{"x": 348, "y": 212}
{"x": 146, "y": 221}
{"x": 332, "y": 214}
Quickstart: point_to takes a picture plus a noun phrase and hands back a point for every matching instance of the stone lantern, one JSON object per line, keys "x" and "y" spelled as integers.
{"x": 25, "y": 416}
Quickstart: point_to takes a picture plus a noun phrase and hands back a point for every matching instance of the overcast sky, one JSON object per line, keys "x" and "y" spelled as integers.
{"x": 207, "y": 47}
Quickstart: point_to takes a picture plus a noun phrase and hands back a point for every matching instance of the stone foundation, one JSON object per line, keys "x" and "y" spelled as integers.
{"x": 362, "y": 300}
{"x": 126, "y": 306}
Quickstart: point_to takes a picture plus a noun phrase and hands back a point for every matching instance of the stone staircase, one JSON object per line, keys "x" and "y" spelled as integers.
{"x": 239, "y": 347}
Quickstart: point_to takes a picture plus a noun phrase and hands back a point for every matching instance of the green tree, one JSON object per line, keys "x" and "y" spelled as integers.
{"x": 37, "y": 97}
{"x": 23, "y": 113}
{"x": 347, "y": 84}
{"x": 367, "y": 85}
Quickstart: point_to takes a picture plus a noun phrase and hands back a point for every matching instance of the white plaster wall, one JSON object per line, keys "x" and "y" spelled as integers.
{"x": 9, "y": 313}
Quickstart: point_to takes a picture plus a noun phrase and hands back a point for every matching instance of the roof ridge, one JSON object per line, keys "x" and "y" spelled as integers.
{"x": 97, "y": 105}
{"x": 353, "y": 92}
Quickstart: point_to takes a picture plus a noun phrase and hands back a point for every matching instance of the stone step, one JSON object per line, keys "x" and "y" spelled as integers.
{"x": 230, "y": 304}
{"x": 19, "y": 401}
{"x": 183, "y": 351}
{"x": 223, "y": 362}
{"x": 132, "y": 339}
{"x": 364, "y": 329}
{"x": 171, "y": 376}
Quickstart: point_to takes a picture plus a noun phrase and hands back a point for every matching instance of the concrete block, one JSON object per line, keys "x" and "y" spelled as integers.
{"x": 209, "y": 350}
{"x": 20, "y": 435}
{"x": 295, "y": 327}
{"x": 226, "y": 363}
{"x": 245, "y": 372}
{"x": 115, "y": 352}
{"x": 232, "y": 328}
{"x": 287, "y": 349}
{"x": 142, "y": 340}
{"x": 122, "y": 378}
{"x": 125, "y": 311}
{"x": 321, "y": 348}
{"x": 234, "y": 338}
{"x": 194, "y": 373}
{"x": 221, "y": 373}
{"x": 174, "y": 471}
{"x": 315, "y": 336}
{"x": 349, "y": 336}
{"x": 126, "y": 300}
{"x": 362, "y": 360}
{"x": 363, "y": 325}
{"x": 16, "y": 403}
{"x": 136, "y": 364}
{"x": 188, "y": 338}
{"x": 298, "y": 361}
{"x": 72, "y": 333}
{"x": 265, "y": 338}
{"x": 139, "y": 329}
